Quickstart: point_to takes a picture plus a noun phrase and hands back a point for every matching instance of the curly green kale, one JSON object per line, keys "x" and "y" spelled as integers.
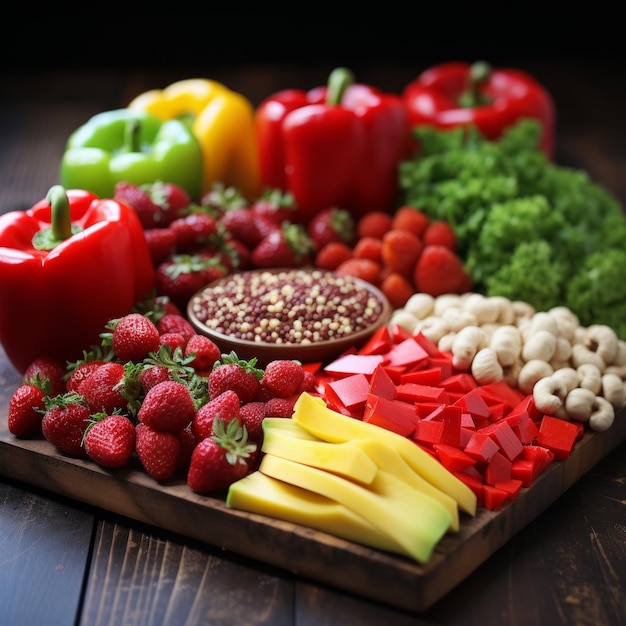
{"x": 506, "y": 200}
{"x": 597, "y": 293}
{"x": 530, "y": 274}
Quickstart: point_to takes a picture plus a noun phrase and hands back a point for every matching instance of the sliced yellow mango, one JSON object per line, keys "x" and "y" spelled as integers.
{"x": 389, "y": 460}
{"x": 260, "y": 493}
{"x": 313, "y": 415}
{"x": 291, "y": 442}
{"x": 409, "y": 517}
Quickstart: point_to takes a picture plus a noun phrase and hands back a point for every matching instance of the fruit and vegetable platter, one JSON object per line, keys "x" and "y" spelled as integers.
{"x": 366, "y": 337}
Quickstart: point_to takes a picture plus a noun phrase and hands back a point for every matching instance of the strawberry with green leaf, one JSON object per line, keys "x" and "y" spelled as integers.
{"x": 221, "y": 459}
{"x": 286, "y": 246}
{"x": 64, "y": 423}
{"x": 109, "y": 440}
{"x": 241, "y": 376}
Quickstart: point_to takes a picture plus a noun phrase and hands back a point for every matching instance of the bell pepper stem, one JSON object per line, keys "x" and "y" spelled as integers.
{"x": 477, "y": 77}
{"x": 338, "y": 81}
{"x": 61, "y": 219}
{"x": 61, "y": 227}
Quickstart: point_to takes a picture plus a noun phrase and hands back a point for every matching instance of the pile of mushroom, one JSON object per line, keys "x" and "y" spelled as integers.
{"x": 573, "y": 372}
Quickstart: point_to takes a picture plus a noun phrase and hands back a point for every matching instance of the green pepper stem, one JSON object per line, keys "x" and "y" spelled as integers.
{"x": 477, "y": 78}
{"x": 338, "y": 81}
{"x": 131, "y": 136}
{"x": 61, "y": 218}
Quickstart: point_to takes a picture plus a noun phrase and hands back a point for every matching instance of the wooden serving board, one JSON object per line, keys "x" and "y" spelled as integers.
{"x": 385, "y": 577}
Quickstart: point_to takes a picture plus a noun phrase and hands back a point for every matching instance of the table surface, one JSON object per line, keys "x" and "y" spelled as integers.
{"x": 63, "y": 562}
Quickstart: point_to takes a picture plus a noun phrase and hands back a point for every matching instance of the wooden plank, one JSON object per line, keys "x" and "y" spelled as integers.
{"x": 384, "y": 577}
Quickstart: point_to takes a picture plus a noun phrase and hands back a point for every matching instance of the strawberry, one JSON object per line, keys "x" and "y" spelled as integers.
{"x": 400, "y": 251}
{"x": 331, "y": 225}
{"x": 220, "y": 199}
{"x": 281, "y": 407}
{"x": 158, "y": 451}
{"x": 153, "y": 375}
{"x": 441, "y": 233}
{"x": 102, "y": 389}
{"x": 161, "y": 243}
{"x": 365, "y": 269}
{"x": 80, "y": 370}
{"x": 241, "y": 225}
{"x": 411, "y": 219}
{"x": 439, "y": 271}
{"x": 205, "y": 352}
{"x": 374, "y": 224}
{"x": 64, "y": 423}
{"x": 225, "y": 406}
{"x": 176, "y": 323}
{"x": 157, "y": 204}
{"x": 252, "y": 415}
{"x": 193, "y": 231}
{"x": 309, "y": 382}
{"x": 397, "y": 288}
{"x": 188, "y": 442}
{"x": 283, "y": 377}
{"x": 275, "y": 207}
{"x": 46, "y": 368}
{"x": 331, "y": 255}
{"x": 173, "y": 340}
{"x": 181, "y": 275}
{"x": 26, "y": 409}
{"x": 231, "y": 372}
{"x": 134, "y": 336}
{"x": 110, "y": 440}
{"x": 220, "y": 460}
{"x": 287, "y": 246}
{"x": 168, "y": 406}
{"x": 369, "y": 247}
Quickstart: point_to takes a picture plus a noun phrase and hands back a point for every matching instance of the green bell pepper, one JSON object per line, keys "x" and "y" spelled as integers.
{"x": 132, "y": 146}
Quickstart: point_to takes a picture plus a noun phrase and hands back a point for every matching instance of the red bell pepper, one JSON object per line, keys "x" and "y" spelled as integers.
{"x": 459, "y": 94}
{"x": 337, "y": 145}
{"x": 67, "y": 266}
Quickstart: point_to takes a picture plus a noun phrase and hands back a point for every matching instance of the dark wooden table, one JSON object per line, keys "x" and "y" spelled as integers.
{"x": 64, "y": 563}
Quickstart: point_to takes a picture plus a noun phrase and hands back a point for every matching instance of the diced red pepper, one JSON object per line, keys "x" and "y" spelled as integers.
{"x": 393, "y": 415}
{"x": 399, "y": 333}
{"x": 350, "y": 391}
{"x": 498, "y": 469}
{"x": 425, "y": 376}
{"x": 506, "y": 439}
{"x": 558, "y": 435}
{"x": 424, "y": 409}
{"x": 444, "y": 363}
{"x": 412, "y": 392}
{"x": 379, "y": 343}
{"x": 494, "y": 498}
{"x": 406, "y": 353}
{"x": 462, "y": 381}
{"x": 428, "y": 431}
{"x": 349, "y": 364}
{"x": 523, "y": 470}
{"x": 512, "y": 487}
{"x": 481, "y": 446}
{"x": 382, "y": 385}
{"x": 452, "y": 457}
{"x": 539, "y": 456}
{"x": 474, "y": 403}
{"x": 428, "y": 344}
{"x": 504, "y": 392}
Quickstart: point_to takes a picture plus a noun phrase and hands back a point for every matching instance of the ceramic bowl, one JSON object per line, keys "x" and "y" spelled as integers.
{"x": 287, "y": 311}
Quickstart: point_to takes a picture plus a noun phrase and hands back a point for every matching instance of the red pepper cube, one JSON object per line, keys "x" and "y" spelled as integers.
{"x": 481, "y": 446}
{"x": 413, "y": 392}
{"x": 452, "y": 458}
{"x": 406, "y": 353}
{"x": 467, "y": 421}
{"x": 498, "y": 469}
{"x": 558, "y": 435}
{"x": 539, "y": 456}
{"x": 526, "y": 406}
{"x": 507, "y": 394}
{"x": 379, "y": 343}
{"x": 428, "y": 432}
{"x": 349, "y": 364}
{"x": 473, "y": 402}
{"x": 393, "y": 415}
{"x": 350, "y": 391}
{"x": 524, "y": 427}
{"x": 444, "y": 363}
{"x": 494, "y": 498}
{"x": 399, "y": 333}
{"x": 427, "y": 376}
{"x": 450, "y": 417}
{"x": 395, "y": 373}
{"x": 506, "y": 439}
{"x": 428, "y": 344}
{"x": 382, "y": 385}
{"x": 462, "y": 382}
{"x": 524, "y": 471}
{"x": 512, "y": 487}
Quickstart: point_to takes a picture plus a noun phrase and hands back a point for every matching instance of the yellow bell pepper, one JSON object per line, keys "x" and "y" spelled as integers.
{"x": 222, "y": 121}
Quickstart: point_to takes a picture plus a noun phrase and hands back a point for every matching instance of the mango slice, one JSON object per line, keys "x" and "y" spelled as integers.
{"x": 313, "y": 415}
